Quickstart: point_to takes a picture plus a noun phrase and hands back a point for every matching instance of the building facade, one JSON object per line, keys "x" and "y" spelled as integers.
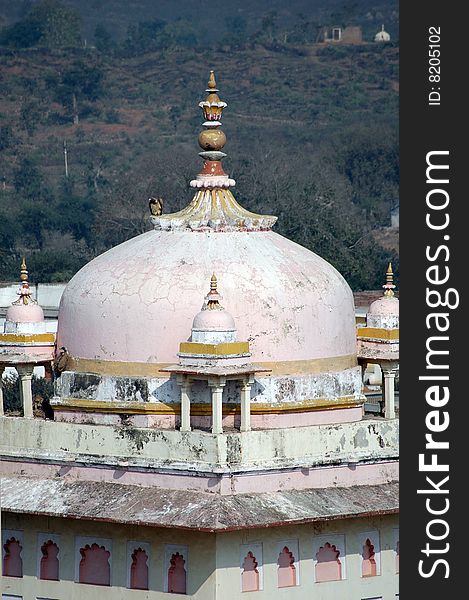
{"x": 209, "y": 437}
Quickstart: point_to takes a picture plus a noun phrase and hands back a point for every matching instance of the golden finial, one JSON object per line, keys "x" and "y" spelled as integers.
{"x": 389, "y": 285}
{"x": 24, "y": 292}
{"x": 212, "y": 84}
{"x": 212, "y": 139}
{"x": 213, "y": 283}
{"x": 24, "y": 271}
{"x": 213, "y": 297}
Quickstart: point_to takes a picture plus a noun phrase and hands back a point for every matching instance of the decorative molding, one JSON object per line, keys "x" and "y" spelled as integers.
{"x": 378, "y": 333}
{"x": 140, "y": 369}
{"x": 224, "y": 349}
{"x": 202, "y": 409}
{"x": 20, "y": 339}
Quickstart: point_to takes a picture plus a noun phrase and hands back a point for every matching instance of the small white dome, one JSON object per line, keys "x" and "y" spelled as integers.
{"x": 382, "y": 36}
{"x": 213, "y": 320}
{"x": 386, "y": 305}
{"x": 25, "y": 313}
{"x": 213, "y": 324}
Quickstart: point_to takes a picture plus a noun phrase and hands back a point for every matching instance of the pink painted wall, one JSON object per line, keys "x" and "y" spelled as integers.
{"x": 270, "y": 421}
{"x": 343, "y": 476}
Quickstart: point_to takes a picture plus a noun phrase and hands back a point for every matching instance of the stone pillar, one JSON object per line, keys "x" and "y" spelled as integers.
{"x": 246, "y": 406}
{"x": 217, "y": 386}
{"x": 389, "y": 375}
{"x": 25, "y": 373}
{"x": 2, "y": 368}
{"x": 185, "y": 404}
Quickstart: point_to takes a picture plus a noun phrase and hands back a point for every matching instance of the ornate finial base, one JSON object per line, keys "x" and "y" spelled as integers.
{"x": 214, "y": 209}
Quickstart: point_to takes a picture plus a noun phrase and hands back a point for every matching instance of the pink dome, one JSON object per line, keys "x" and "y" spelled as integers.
{"x": 136, "y": 302}
{"x": 386, "y": 305}
{"x": 25, "y": 313}
{"x": 214, "y": 320}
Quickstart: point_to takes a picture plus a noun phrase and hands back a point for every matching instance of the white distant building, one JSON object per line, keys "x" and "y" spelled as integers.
{"x": 382, "y": 36}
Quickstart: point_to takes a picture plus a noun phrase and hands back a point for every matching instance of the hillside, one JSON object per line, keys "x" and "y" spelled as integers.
{"x": 212, "y": 24}
{"x": 312, "y": 138}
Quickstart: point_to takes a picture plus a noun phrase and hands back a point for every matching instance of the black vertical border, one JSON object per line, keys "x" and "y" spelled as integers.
{"x": 425, "y": 128}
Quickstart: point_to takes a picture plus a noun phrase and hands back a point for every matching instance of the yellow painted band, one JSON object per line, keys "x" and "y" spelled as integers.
{"x": 22, "y": 338}
{"x": 202, "y": 409}
{"x": 215, "y": 349}
{"x": 376, "y": 332}
{"x": 139, "y": 369}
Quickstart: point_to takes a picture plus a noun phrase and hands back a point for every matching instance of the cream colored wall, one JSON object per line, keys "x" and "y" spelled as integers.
{"x": 354, "y": 587}
{"x": 205, "y": 552}
{"x": 201, "y": 549}
{"x": 315, "y": 444}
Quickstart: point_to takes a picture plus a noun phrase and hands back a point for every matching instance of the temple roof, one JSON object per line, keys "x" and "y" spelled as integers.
{"x": 201, "y": 511}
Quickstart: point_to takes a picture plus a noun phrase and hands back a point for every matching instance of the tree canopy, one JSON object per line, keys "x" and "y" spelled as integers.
{"x": 49, "y": 23}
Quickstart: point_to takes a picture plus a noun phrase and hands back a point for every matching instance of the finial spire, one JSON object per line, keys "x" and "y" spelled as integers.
{"x": 212, "y": 299}
{"x": 24, "y": 271}
{"x": 213, "y": 207}
{"x": 213, "y": 283}
{"x": 212, "y": 139}
{"x": 24, "y": 292}
{"x": 212, "y": 84}
{"x": 389, "y": 285}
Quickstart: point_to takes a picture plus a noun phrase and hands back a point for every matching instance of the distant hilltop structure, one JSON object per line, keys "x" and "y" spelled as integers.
{"x": 382, "y": 36}
{"x": 351, "y": 34}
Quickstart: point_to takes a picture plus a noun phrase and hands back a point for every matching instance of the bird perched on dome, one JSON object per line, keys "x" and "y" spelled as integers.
{"x": 61, "y": 360}
{"x": 156, "y": 206}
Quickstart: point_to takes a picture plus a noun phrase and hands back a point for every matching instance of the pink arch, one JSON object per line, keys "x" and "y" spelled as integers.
{"x": 369, "y": 561}
{"x": 250, "y": 574}
{"x": 177, "y": 574}
{"x": 12, "y": 561}
{"x": 49, "y": 561}
{"x": 94, "y": 565}
{"x": 286, "y": 573}
{"x": 328, "y": 567}
{"x": 139, "y": 570}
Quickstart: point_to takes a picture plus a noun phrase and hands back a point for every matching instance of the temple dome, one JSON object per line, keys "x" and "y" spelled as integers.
{"x": 136, "y": 302}
{"x": 384, "y": 312}
{"x": 213, "y": 320}
{"x": 25, "y": 313}
{"x": 386, "y": 305}
{"x": 382, "y": 36}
